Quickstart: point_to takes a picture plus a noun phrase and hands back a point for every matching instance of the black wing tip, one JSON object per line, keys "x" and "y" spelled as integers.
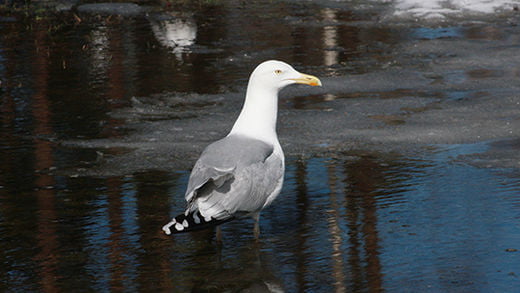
{"x": 191, "y": 222}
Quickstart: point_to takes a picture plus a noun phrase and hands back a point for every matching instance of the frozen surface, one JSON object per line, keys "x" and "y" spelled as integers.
{"x": 436, "y": 90}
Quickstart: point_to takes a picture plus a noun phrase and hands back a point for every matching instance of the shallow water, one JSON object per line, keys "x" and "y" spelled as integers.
{"x": 101, "y": 118}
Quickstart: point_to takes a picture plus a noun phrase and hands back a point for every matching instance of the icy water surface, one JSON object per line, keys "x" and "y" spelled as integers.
{"x": 402, "y": 171}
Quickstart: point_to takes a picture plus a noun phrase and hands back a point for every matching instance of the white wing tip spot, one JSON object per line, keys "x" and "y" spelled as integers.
{"x": 166, "y": 228}
{"x": 179, "y": 227}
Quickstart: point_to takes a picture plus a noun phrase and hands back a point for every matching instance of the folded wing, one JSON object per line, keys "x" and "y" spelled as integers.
{"x": 233, "y": 176}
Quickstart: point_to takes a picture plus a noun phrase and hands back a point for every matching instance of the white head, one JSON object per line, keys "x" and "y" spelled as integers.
{"x": 258, "y": 116}
{"x": 277, "y": 75}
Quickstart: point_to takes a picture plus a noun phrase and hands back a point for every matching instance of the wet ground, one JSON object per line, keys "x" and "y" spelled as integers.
{"x": 403, "y": 170}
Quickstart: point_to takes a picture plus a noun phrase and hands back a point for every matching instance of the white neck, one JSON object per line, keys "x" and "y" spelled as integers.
{"x": 258, "y": 116}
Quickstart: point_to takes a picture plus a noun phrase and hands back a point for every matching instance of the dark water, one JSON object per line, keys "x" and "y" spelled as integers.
{"x": 358, "y": 221}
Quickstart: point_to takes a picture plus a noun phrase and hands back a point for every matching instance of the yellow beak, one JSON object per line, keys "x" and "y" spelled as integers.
{"x": 307, "y": 79}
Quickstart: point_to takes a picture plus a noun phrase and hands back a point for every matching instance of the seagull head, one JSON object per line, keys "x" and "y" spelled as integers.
{"x": 279, "y": 74}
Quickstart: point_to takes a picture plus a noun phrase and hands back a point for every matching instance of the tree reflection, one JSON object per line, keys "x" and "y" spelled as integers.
{"x": 151, "y": 210}
{"x": 43, "y": 160}
{"x": 335, "y": 230}
{"x": 363, "y": 179}
{"x": 302, "y": 202}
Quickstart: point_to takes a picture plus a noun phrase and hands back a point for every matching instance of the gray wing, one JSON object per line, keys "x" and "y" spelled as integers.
{"x": 233, "y": 175}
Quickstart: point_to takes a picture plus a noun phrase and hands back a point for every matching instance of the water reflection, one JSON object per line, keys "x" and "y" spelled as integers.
{"x": 330, "y": 34}
{"x": 176, "y": 33}
{"x": 340, "y": 225}
{"x": 437, "y": 33}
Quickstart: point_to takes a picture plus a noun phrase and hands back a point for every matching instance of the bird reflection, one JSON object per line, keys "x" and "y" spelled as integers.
{"x": 249, "y": 270}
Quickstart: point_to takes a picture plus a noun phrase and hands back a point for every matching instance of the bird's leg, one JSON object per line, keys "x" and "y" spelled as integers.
{"x": 257, "y": 225}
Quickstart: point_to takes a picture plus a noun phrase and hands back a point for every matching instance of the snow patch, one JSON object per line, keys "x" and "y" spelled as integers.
{"x": 441, "y": 8}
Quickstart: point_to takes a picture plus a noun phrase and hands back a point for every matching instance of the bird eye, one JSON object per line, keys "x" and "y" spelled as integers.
{"x": 278, "y": 71}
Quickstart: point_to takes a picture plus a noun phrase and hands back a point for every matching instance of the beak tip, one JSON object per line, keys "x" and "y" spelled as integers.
{"x": 307, "y": 79}
{"x": 312, "y": 80}
{"x": 315, "y": 82}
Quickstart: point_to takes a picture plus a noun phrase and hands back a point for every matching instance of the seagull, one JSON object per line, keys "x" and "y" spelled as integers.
{"x": 242, "y": 173}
